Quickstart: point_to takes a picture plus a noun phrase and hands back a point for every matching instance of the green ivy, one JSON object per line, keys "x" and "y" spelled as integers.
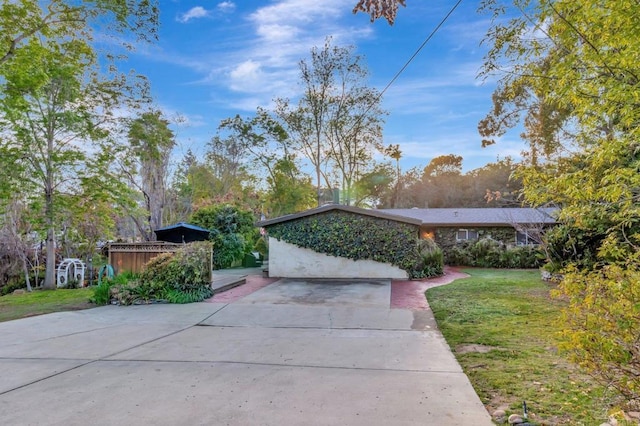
{"x": 358, "y": 237}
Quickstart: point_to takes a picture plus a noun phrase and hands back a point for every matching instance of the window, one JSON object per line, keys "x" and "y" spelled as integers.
{"x": 526, "y": 238}
{"x": 466, "y": 234}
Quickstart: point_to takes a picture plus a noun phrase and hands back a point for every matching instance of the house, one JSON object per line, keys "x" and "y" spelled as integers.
{"x": 346, "y": 255}
{"x": 450, "y": 226}
{"x": 303, "y": 255}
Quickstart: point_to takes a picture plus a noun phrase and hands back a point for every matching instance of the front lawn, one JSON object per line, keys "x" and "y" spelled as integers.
{"x": 38, "y": 302}
{"x": 501, "y": 325}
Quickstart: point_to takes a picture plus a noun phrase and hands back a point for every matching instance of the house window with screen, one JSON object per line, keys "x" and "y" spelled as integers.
{"x": 526, "y": 238}
{"x": 466, "y": 235}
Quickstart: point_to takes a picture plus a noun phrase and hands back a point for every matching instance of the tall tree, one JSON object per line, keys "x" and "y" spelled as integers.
{"x": 338, "y": 120}
{"x": 226, "y": 160}
{"x": 55, "y": 100}
{"x": 151, "y": 141}
{"x": 393, "y": 151}
{"x": 180, "y": 191}
{"x": 23, "y": 21}
{"x": 289, "y": 190}
{"x": 268, "y": 152}
{"x": 377, "y": 189}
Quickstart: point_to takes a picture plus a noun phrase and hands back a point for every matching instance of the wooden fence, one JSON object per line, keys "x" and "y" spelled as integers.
{"x": 133, "y": 256}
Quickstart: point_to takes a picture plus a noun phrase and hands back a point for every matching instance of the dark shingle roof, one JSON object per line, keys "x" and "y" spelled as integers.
{"x": 182, "y": 233}
{"x": 478, "y": 216}
{"x": 331, "y": 207}
{"x": 182, "y": 225}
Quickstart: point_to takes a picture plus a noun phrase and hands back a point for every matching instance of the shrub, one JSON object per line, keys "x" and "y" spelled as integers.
{"x": 227, "y": 248}
{"x": 430, "y": 260}
{"x": 458, "y": 255}
{"x": 188, "y": 296}
{"x": 488, "y": 253}
{"x": 571, "y": 245}
{"x": 600, "y": 325}
{"x": 102, "y": 294}
{"x": 186, "y": 271}
{"x": 180, "y": 277}
{"x": 232, "y": 232}
{"x": 12, "y": 286}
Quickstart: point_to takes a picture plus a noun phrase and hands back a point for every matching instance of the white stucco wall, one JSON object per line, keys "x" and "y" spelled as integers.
{"x": 290, "y": 261}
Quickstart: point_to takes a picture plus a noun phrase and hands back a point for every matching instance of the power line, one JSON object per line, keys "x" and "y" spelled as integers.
{"x": 424, "y": 43}
{"x": 395, "y": 77}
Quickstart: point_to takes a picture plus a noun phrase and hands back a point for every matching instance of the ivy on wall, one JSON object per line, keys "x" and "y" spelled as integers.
{"x": 359, "y": 237}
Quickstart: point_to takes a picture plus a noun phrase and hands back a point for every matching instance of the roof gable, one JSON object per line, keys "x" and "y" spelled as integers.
{"x": 182, "y": 225}
{"x": 338, "y": 207}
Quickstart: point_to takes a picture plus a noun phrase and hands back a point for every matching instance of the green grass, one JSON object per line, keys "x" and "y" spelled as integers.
{"x": 512, "y": 313}
{"x": 38, "y": 302}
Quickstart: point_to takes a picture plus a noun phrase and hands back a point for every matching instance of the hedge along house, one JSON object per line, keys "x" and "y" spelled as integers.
{"x": 336, "y": 241}
{"x": 511, "y": 226}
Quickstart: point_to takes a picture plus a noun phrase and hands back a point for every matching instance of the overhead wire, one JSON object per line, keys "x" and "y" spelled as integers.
{"x": 424, "y": 43}
{"x": 406, "y": 64}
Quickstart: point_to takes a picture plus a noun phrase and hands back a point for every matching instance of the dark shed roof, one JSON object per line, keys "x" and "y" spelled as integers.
{"x": 333, "y": 207}
{"x": 182, "y": 233}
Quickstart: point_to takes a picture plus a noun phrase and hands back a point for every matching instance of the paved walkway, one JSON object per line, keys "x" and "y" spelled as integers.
{"x": 287, "y": 352}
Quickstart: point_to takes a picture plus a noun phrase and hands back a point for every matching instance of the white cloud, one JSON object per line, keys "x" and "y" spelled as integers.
{"x": 301, "y": 11}
{"x": 260, "y": 62}
{"x": 226, "y": 6}
{"x": 277, "y": 32}
{"x": 247, "y": 77}
{"x": 193, "y": 13}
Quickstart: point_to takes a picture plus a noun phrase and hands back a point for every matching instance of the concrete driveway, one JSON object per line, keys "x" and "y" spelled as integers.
{"x": 290, "y": 353}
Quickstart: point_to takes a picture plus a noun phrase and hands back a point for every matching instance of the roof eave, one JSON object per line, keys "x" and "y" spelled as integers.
{"x": 331, "y": 207}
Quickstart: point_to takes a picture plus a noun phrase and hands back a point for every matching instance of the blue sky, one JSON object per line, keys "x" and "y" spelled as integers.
{"x": 216, "y": 59}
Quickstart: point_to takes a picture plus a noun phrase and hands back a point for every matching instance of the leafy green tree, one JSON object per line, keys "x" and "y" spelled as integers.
{"x": 337, "y": 123}
{"x": 377, "y": 188}
{"x": 267, "y": 151}
{"x": 289, "y": 190}
{"x": 226, "y": 161}
{"x": 151, "y": 142}
{"x": 23, "y": 21}
{"x": 180, "y": 191}
{"x": 443, "y": 182}
{"x": 494, "y": 185}
{"x": 572, "y": 81}
{"x": 57, "y": 103}
{"x": 232, "y": 232}
{"x": 444, "y": 165}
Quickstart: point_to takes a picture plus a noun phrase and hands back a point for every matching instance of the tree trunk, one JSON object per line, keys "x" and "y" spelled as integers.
{"x": 50, "y": 271}
{"x": 25, "y": 268}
